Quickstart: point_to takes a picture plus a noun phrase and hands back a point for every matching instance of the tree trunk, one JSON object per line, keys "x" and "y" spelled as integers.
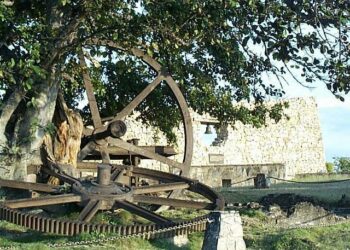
{"x": 64, "y": 146}
{"x": 23, "y": 147}
{"x": 8, "y": 109}
{"x": 29, "y": 124}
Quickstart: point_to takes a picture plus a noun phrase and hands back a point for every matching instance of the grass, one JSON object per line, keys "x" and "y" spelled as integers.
{"x": 258, "y": 234}
{"x": 321, "y": 177}
{"x": 332, "y": 237}
{"x": 253, "y": 213}
{"x": 17, "y": 237}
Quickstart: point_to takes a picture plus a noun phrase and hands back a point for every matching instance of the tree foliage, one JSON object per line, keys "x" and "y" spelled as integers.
{"x": 218, "y": 51}
{"x": 343, "y": 164}
{"x": 329, "y": 167}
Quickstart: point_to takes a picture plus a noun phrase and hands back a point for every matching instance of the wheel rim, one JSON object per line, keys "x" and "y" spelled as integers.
{"x": 162, "y": 75}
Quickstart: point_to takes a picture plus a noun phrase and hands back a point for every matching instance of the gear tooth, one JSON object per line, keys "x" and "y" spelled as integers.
{"x": 51, "y": 226}
{"x": 45, "y": 224}
{"x": 56, "y": 227}
{"x": 38, "y": 223}
{"x": 62, "y": 225}
{"x": 17, "y": 216}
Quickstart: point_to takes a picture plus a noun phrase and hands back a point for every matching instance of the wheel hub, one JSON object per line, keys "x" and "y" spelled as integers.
{"x": 102, "y": 189}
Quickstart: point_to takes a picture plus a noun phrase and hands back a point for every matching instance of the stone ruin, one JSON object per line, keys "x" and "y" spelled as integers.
{"x": 290, "y": 147}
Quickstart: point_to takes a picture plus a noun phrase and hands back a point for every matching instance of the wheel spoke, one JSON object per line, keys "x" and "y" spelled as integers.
{"x": 185, "y": 113}
{"x": 161, "y": 187}
{"x": 62, "y": 176}
{"x": 43, "y": 201}
{"x": 158, "y": 175}
{"x": 142, "y": 212}
{"x": 96, "y": 118}
{"x": 139, "y": 98}
{"x": 146, "y": 153}
{"x": 40, "y": 187}
{"x": 131, "y": 106}
{"x": 173, "y": 202}
{"x": 90, "y": 210}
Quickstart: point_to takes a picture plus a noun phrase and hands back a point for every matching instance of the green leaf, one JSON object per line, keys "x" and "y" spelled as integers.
{"x": 149, "y": 52}
{"x": 36, "y": 69}
{"x": 64, "y": 2}
{"x": 13, "y": 63}
{"x": 155, "y": 46}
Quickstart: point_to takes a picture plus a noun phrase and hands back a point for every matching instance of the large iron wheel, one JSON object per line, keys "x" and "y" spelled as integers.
{"x": 107, "y": 192}
{"x": 105, "y": 130}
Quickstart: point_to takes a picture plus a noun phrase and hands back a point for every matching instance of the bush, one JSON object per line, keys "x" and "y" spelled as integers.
{"x": 343, "y": 164}
{"x": 291, "y": 241}
{"x": 330, "y": 167}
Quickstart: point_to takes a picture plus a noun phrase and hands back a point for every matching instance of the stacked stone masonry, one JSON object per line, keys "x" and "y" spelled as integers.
{"x": 291, "y": 146}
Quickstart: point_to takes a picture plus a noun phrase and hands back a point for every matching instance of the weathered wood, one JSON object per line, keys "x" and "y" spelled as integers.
{"x": 162, "y": 74}
{"x": 142, "y": 212}
{"x": 148, "y": 154}
{"x": 90, "y": 210}
{"x": 139, "y": 98}
{"x": 43, "y": 201}
{"x": 68, "y": 138}
{"x": 40, "y": 187}
{"x": 161, "y": 188}
{"x": 96, "y": 118}
{"x": 173, "y": 202}
{"x": 64, "y": 146}
{"x": 117, "y": 153}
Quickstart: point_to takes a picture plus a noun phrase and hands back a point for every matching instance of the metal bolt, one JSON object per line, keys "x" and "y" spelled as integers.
{"x": 117, "y": 129}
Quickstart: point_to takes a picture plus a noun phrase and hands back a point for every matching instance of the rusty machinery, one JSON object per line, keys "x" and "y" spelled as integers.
{"x": 115, "y": 186}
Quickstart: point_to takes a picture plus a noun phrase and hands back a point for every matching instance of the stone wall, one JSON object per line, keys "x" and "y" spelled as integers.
{"x": 235, "y": 175}
{"x": 294, "y": 144}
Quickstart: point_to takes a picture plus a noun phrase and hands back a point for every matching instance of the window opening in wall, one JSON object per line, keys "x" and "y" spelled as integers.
{"x": 226, "y": 182}
{"x": 212, "y": 134}
{"x": 208, "y": 134}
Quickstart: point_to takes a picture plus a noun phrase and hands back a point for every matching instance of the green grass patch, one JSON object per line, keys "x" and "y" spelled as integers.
{"x": 332, "y": 237}
{"x": 253, "y": 213}
{"x": 16, "y": 237}
{"x": 195, "y": 243}
{"x": 321, "y": 177}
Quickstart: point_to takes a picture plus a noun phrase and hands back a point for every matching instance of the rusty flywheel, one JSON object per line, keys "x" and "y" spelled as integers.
{"x": 104, "y": 194}
{"x": 114, "y": 187}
